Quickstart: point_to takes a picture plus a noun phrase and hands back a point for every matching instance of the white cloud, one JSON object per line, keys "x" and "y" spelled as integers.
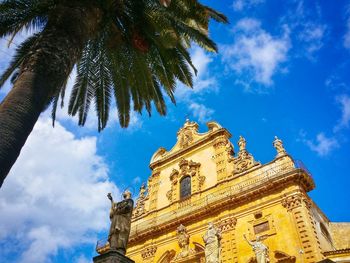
{"x": 239, "y": 5}
{"x": 205, "y": 82}
{"x": 307, "y": 29}
{"x": 255, "y": 53}
{"x": 201, "y": 112}
{"x": 323, "y": 145}
{"x": 55, "y": 196}
{"x": 312, "y": 35}
{"x": 344, "y": 103}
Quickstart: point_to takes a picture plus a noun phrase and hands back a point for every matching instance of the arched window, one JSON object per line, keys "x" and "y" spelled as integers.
{"x": 185, "y": 187}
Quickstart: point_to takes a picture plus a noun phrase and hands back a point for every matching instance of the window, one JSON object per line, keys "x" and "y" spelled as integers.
{"x": 185, "y": 187}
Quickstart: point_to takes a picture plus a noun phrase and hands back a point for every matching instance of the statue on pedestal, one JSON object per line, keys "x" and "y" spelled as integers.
{"x": 212, "y": 244}
{"x": 120, "y": 215}
{"x": 261, "y": 250}
{"x": 278, "y": 145}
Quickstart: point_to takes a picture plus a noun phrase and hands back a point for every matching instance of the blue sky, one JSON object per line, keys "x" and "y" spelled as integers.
{"x": 282, "y": 69}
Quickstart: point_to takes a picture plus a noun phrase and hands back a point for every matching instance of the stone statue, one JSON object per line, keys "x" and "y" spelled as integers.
{"x": 120, "y": 215}
{"x": 212, "y": 244}
{"x": 261, "y": 251}
{"x": 142, "y": 191}
{"x": 183, "y": 239}
{"x": 242, "y": 144}
{"x": 278, "y": 144}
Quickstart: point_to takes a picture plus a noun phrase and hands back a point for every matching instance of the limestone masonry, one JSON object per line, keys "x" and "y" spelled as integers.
{"x": 202, "y": 180}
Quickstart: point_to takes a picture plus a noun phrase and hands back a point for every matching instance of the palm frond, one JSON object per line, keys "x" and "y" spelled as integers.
{"x": 21, "y": 53}
{"x": 16, "y": 15}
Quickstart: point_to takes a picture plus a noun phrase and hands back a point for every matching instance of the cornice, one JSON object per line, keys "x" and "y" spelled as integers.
{"x": 244, "y": 194}
{"x": 337, "y": 252}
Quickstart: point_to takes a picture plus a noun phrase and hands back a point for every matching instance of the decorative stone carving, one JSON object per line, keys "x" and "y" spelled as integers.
{"x": 260, "y": 249}
{"x": 227, "y": 224}
{"x": 183, "y": 239}
{"x": 140, "y": 203}
{"x": 244, "y": 160}
{"x": 278, "y": 144}
{"x": 187, "y": 168}
{"x": 149, "y": 252}
{"x": 212, "y": 244}
{"x": 282, "y": 257}
{"x": 186, "y": 134}
{"x": 294, "y": 201}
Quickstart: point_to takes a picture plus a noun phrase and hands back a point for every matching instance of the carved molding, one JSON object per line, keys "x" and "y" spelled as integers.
{"x": 244, "y": 160}
{"x": 227, "y": 224}
{"x": 282, "y": 257}
{"x": 186, "y": 168}
{"x": 186, "y": 134}
{"x": 295, "y": 201}
{"x": 261, "y": 226}
{"x": 140, "y": 209}
{"x": 149, "y": 252}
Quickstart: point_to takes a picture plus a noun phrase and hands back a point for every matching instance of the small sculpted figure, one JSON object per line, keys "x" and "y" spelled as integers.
{"x": 242, "y": 144}
{"x": 120, "y": 215}
{"x": 260, "y": 249}
{"x": 278, "y": 144}
{"x": 212, "y": 244}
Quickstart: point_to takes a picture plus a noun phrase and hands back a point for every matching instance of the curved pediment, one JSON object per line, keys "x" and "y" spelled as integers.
{"x": 186, "y": 136}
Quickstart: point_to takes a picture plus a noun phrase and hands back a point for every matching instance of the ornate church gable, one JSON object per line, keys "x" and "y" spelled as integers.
{"x": 187, "y": 136}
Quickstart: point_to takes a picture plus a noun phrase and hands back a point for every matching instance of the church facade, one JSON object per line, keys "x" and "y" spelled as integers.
{"x": 207, "y": 202}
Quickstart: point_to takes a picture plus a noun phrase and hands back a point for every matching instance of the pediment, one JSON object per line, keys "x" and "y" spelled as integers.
{"x": 186, "y": 136}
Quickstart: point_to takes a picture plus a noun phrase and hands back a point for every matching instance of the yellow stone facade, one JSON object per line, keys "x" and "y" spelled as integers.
{"x": 239, "y": 195}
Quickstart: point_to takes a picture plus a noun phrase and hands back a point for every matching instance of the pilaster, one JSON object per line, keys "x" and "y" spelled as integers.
{"x": 298, "y": 206}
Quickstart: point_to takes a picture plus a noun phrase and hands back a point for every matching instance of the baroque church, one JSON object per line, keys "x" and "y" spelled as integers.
{"x": 208, "y": 202}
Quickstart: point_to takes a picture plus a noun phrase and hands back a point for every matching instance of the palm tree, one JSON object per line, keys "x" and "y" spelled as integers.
{"x": 132, "y": 50}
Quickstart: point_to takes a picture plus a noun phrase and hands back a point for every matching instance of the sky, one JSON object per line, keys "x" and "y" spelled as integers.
{"x": 282, "y": 69}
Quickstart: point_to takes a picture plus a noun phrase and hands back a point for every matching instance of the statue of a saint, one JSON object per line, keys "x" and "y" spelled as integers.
{"x": 278, "y": 144}
{"x": 261, "y": 250}
{"x": 212, "y": 244}
{"x": 120, "y": 215}
{"x": 142, "y": 191}
{"x": 242, "y": 144}
{"x": 183, "y": 239}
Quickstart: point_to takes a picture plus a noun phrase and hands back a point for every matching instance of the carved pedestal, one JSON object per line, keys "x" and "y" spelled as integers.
{"x": 112, "y": 257}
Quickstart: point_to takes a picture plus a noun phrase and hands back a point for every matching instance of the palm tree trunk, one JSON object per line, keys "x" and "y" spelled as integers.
{"x": 41, "y": 76}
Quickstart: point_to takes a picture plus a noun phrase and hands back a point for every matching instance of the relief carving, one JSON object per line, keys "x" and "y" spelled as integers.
{"x": 227, "y": 224}
{"x": 294, "y": 201}
{"x": 187, "y": 168}
{"x": 244, "y": 160}
{"x": 186, "y": 134}
{"x": 140, "y": 203}
{"x": 183, "y": 239}
{"x": 149, "y": 252}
